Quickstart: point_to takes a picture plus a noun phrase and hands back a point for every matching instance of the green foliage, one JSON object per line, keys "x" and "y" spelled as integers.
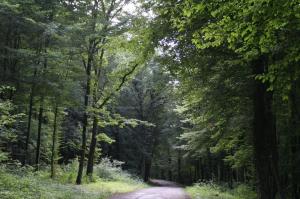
{"x": 220, "y": 51}
{"x": 102, "y": 137}
{"x": 111, "y": 170}
{"x": 8, "y": 123}
{"x": 66, "y": 174}
{"x": 170, "y": 90}
{"x": 22, "y": 183}
{"x": 212, "y": 191}
{"x": 30, "y": 186}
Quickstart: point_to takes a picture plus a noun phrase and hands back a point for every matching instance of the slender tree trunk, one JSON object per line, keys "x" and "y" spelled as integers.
{"x": 140, "y": 165}
{"x": 54, "y": 138}
{"x": 219, "y": 168}
{"x": 85, "y": 120}
{"x": 209, "y": 165}
{"x": 5, "y": 55}
{"x": 40, "y": 119}
{"x": 92, "y": 150}
{"x": 169, "y": 165}
{"x": 264, "y": 137}
{"x": 179, "y": 167}
{"x": 26, "y": 155}
{"x": 38, "y": 143}
{"x": 93, "y": 143}
{"x": 147, "y": 169}
{"x": 117, "y": 144}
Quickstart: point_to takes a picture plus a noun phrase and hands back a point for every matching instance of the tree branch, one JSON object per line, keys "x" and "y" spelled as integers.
{"x": 123, "y": 81}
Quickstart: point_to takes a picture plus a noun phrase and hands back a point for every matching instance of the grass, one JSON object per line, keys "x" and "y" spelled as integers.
{"x": 24, "y": 184}
{"x": 29, "y": 186}
{"x": 113, "y": 187}
{"x": 212, "y": 191}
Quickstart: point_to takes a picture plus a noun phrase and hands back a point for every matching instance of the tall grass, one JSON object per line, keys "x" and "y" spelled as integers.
{"x": 18, "y": 182}
{"x": 213, "y": 191}
{"x": 32, "y": 186}
{"x": 111, "y": 170}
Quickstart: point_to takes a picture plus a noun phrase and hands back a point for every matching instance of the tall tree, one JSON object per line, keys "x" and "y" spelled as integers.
{"x": 235, "y": 29}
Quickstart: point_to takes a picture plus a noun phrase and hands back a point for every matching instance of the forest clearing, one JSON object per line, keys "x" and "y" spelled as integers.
{"x": 141, "y": 99}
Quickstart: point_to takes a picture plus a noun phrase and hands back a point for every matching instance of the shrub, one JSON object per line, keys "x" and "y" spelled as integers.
{"x": 31, "y": 186}
{"x": 212, "y": 191}
{"x": 67, "y": 173}
{"x": 112, "y": 170}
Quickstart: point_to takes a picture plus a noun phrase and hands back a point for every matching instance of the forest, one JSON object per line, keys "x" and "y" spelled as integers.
{"x": 173, "y": 99}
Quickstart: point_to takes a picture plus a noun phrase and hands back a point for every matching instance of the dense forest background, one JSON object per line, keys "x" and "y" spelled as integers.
{"x": 188, "y": 91}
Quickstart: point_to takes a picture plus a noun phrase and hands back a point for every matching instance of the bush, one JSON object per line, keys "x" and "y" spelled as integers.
{"x": 17, "y": 182}
{"x": 213, "y": 191}
{"x": 67, "y": 173}
{"x": 31, "y": 186}
{"x": 112, "y": 170}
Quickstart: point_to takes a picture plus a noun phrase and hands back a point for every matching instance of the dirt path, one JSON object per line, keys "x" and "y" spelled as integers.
{"x": 166, "y": 190}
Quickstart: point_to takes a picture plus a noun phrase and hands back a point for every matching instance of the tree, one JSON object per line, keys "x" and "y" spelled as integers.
{"x": 235, "y": 30}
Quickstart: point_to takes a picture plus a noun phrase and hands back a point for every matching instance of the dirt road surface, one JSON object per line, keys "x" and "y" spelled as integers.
{"x": 166, "y": 190}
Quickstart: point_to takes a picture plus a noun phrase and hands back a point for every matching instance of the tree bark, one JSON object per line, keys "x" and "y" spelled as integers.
{"x": 54, "y": 138}
{"x": 117, "y": 144}
{"x": 26, "y": 155}
{"x": 170, "y": 175}
{"x": 92, "y": 150}
{"x": 147, "y": 169}
{"x": 294, "y": 140}
{"x": 264, "y": 137}
{"x": 179, "y": 167}
{"x": 85, "y": 120}
{"x": 37, "y": 158}
{"x": 38, "y": 143}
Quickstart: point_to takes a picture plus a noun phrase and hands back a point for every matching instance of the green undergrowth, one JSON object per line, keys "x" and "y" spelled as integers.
{"x": 24, "y": 183}
{"x": 212, "y": 191}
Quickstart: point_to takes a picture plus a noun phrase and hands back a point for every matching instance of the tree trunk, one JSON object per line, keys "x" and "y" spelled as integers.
{"x": 53, "y": 150}
{"x": 117, "y": 144}
{"x": 264, "y": 137}
{"x": 93, "y": 145}
{"x": 169, "y": 165}
{"x": 26, "y": 155}
{"x": 37, "y": 158}
{"x": 38, "y": 143}
{"x": 294, "y": 140}
{"x": 179, "y": 167}
{"x": 219, "y": 169}
{"x": 85, "y": 120}
{"x": 147, "y": 169}
{"x": 5, "y": 55}
{"x": 88, "y": 67}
